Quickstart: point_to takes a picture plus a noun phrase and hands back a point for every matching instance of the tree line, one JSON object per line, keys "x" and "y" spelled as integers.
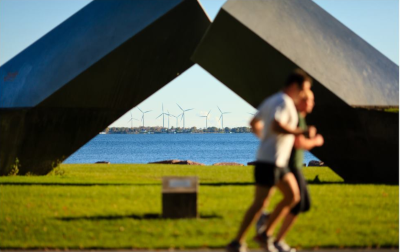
{"x": 142, "y": 130}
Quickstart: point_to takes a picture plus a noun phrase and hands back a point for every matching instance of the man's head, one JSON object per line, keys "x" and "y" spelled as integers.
{"x": 306, "y": 102}
{"x": 297, "y": 82}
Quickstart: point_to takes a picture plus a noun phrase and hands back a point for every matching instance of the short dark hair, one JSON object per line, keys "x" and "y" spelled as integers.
{"x": 298, "y": 77}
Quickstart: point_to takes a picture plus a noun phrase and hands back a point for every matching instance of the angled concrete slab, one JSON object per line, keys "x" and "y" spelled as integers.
{"x": 76, "y": 80}
{"x": 252, "y": 46}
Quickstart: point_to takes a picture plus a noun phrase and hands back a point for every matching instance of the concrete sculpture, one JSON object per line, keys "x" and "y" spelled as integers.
{"x": 76, "y": 80}
{"x": 253, "y": 45}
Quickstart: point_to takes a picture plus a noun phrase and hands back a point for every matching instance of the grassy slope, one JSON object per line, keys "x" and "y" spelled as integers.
{"x": 393, "y": 110}
{"x": 117, "y": 206}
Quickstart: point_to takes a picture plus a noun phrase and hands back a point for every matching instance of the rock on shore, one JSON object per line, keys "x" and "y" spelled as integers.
{"x": 316, "y": 163}
{"x": 228, "y": 164}
{"x": 103, "y": 162}
{"x": 177, "y": 161}
{"x": 313, "y": 163}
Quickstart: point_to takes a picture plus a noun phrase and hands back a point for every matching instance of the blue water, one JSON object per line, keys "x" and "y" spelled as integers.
{"x": 144, "y": 148}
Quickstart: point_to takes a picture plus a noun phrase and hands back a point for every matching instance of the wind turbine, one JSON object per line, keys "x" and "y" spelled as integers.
{"x": 132, "y": 120}
{"x": 183, "y": 114}
{"x": 206, "y": 117}
{"x": 222, "y": 116}
{"x": 162, "y": 114}
{"x": 177, "y": 117}
{"x": 143, "y": 114}
{"x": 169, "y": 115}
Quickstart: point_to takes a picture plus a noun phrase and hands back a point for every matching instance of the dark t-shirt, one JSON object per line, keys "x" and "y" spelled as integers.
{"x": 297, "y": 155}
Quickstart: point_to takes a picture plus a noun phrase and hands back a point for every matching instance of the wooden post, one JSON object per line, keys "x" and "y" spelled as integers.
{"x": 179, "y": 197}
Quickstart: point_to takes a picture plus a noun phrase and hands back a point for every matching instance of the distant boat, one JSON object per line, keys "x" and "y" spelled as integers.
{"x": 102, "y": 133}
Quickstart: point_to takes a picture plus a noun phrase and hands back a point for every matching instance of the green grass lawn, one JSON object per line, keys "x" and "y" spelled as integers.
{"x": 118, "y": 206}
{"x": 393, "y": 110}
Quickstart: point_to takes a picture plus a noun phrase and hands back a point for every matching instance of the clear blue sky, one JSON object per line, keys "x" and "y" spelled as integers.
{"x": 22, "y": 22}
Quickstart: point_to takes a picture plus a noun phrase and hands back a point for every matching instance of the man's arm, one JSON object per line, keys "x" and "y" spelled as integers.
{"x": 257, "y": 126}
{"x": 301, "y": 142}
{"x": 284, "y": 129}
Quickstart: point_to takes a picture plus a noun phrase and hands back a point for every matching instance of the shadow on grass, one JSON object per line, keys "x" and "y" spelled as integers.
{"x": 228, "y": 184}
{"x": 149, "y": 216}
{"x": 309, "y": 182}
{"x": 118, "y": 184}
{"x": 76, "y": 184}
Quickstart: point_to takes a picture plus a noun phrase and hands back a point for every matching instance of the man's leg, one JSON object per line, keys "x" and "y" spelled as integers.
{"x": 286, "y": 225}
{"x": 291, "y": 196}
{"x": 261, "y": 195}
{"x": 261, "y": 223}
{"x": 302, "y": 206}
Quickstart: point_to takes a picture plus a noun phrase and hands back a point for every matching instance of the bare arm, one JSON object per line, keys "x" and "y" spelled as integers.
{"x": 301, "y": 142}
{"x": 257, "y": 127}
{"x": 284, "y": 129}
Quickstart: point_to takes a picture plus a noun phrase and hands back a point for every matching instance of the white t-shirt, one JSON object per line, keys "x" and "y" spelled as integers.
{"x": 276, "y": 147}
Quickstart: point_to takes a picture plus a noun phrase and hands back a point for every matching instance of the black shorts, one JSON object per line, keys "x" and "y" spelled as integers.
{"x": 305, "y": 200}
{"x": 267, "y": 174}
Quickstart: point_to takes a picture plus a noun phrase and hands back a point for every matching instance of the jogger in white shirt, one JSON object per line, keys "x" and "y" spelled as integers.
{"x": 275, "y": 125}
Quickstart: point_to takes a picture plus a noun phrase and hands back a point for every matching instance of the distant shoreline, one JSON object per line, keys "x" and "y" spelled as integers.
{"x": 172, "y": 130}
{"x": 171, "y": 133}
